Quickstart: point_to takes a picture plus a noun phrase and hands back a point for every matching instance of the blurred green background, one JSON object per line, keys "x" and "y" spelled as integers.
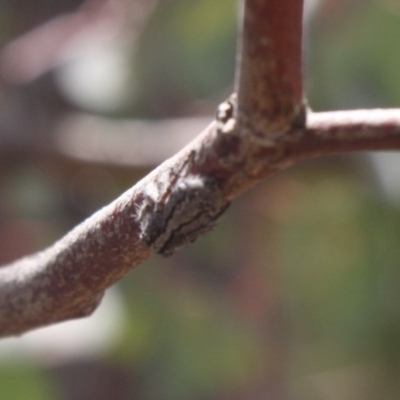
{"x": 296, "y": 293}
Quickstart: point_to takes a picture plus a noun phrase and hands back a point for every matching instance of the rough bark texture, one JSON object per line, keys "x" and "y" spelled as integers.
{"x": 260, "y": 130}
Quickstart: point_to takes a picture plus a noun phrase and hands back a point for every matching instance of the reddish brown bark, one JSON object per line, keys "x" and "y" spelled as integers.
{"x": 270, "y": 66}
{"x": 265, "y": 132}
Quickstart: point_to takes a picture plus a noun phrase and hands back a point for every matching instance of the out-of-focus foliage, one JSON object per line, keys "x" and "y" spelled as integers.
{"x": 341, "y": 248}
{"x": 26, "y": 383}
{"x": 181, "y": 57}
{"x": 353, "y": 62}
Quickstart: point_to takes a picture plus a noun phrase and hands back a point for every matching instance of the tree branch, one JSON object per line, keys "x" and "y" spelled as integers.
{"x": 349, "y": 131}
{"x": 68, "y": 279}
{"x": 269, "y": 80}
{"x": 260, "y": 131}
{"x": 122, "y": 142}
{"x": 172, "y": 206}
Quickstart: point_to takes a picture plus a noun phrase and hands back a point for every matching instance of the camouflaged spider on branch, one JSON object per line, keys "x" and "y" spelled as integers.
{"x": 179, "y": 206}
{"x": 178, "y": 209}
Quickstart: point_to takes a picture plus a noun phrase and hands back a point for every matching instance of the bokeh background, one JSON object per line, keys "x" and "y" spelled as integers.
{"x": 295, "y": 295}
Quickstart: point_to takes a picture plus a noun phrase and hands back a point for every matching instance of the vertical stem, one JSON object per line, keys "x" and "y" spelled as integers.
{"x": 269, "y": 84}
